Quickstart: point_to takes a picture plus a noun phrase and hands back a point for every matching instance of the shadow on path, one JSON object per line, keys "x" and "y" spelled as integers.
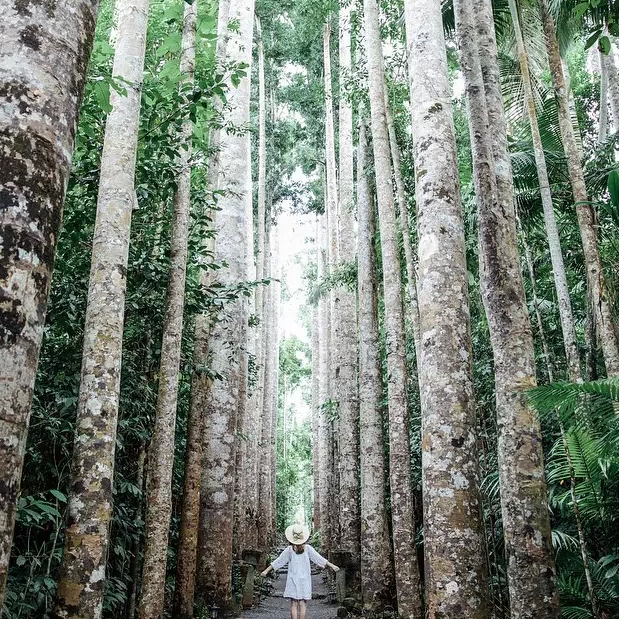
{"x": 275, "y": 606}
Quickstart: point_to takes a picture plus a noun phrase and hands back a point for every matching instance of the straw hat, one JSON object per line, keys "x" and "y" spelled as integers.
{"x": 297, "y": 534}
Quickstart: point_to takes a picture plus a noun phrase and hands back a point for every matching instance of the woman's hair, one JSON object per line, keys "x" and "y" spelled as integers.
{"x": 299, "y": 548}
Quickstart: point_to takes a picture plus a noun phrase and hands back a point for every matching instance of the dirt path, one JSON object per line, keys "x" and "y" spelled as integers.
{"x": 276, "y": 607}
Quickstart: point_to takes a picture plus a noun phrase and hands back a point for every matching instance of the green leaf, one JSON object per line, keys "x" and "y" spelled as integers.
{"x": 580, "y": 9}
{"x": 21, "y": 560}
{"x": 604, "y": 44}
{"x": 61, "y": 497}
{"x": 102, "y": 95}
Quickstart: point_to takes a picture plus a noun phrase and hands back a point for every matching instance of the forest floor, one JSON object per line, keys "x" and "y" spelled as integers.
{"x": 275, "y": 606}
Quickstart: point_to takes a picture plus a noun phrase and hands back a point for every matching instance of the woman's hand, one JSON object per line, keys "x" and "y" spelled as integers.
{"x": 335, "y": 568}
{"x": 265, "y": 572}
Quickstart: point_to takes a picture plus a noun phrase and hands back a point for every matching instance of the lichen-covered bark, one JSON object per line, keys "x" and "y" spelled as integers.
{"x": 82, "y": 574}
{"x": 161, "y": 450}
{"x": 454, "y": 557}
{"x": 190, "y": 515}
{"x": 266, "y": 419}
{"x": 273, "y": 341}
{"x": 524, "y": 501}
{"x": 377, "y": 575}
{"x": 405, "y": 557}
{"x": 316, "y": 515}
{"x": 585, "y": 213}
{"x": 323, "y": 370}
{"x": 347, "y": 350}
{"x": 335, "y": 316}
{"x": 552, "y": 231}
{"x": 227, "y": 340}
{"x": 411, "y": 307}
{"x": 603, "y": 120}
{"x": 612, "y": 76}
{"x": 45, "y": 53}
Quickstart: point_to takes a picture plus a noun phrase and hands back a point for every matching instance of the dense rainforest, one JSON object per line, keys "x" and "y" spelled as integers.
{"x": 352, "y": 264}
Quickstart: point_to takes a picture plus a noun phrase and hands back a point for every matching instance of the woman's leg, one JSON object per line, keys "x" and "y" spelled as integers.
{"x": 302, "y": 609}
{"x": 294, "y": 608}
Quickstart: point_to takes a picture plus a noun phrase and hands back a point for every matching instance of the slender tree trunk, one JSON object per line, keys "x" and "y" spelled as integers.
{"x": 189, "y": 534}
{"x": 135, "y": 559}
{"x": 228, "y": 337}
{"x": 552, "y": 231}
{"x": 258, "y": 394}
{"x": 405, "y": 557}
{"x": 524, "y": 500}
{"x": 603, "y": 121}
{"x": 317, "y": 517}
{"x": 335, "y": 316}
{"x": 454, "y": 554}
{"x": 610, "y": 68}
{"x": 46, "y": 73}
{"x": 584, "y": 211}
{"x": 412, "y": 307}
{"x": 274, "y": 379}
{"x": 323, "y": 368}
{"x": 377, "y": 576}
{"x": 82, "y": 573}
{"x": 347, "y": 351}
{"x": 161, "y": 450}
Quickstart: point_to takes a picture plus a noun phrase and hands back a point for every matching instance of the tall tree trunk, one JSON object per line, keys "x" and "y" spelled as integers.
{"x": 316, "y": 515}
{"x": 347, "y": 350}
{"x": 455, "y": 569}
{"x": 273, "y": 311}
{"x": 82, "y": 573}
{"x": 603, "y": 120}
{"x": 552, "y": 231}
{"x": 228, "y": 336}
{"x": 323, "y": 369}
{"x": 584, "y": 211}
{"x": 335, "y": 318}
{"x": 405, "y": 557}
{"x": 524, "y": 499}
{"x": 258, "y": 394}
{"x": 610, "y": 68}
{"x": 412, "y": 307}
{"x": 266, "y": 418}
{"x": 45, "y": 70}
{"x": 377, "y": 576}
{"x": 161, "y": 450}
{"x": 201, "y": 383}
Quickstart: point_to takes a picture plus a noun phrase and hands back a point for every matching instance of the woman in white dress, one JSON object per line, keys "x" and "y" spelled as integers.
{"x": 297, "y": 557}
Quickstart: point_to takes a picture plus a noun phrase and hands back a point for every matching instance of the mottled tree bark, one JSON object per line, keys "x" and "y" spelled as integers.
{"x": 377, "y": 576}
{"x": 455, "y": 566}
{"x": 316, "y": 515}
{"x": 323, "y": 370}
{"x": 273, "y": 341}
{"x": 524, "y": 500}
{"x": 405, "y": 557}
{"x": 228, "y": 336}
{"x": 161, "y": 450}
{"x": 612, "y": 76}
{"x": 411, "y": 308}
{"x": 347, "y": 350}
{"x": 585, "y": 213}
{"x": 266, "y": 420}
{"x": 552, "y": 231}
{"x": 82, "y": 573}
{"x": 189, "y": 534}
{"x": 335, "y": 317}
{"x": 603, "y": 120}
{"x": 45, "y": 53}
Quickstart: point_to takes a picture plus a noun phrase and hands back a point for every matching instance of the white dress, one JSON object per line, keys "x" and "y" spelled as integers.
{"x": 299, "y": 581}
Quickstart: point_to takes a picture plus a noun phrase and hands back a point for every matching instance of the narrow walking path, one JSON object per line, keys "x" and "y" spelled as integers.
{"x": 275, "y": 606}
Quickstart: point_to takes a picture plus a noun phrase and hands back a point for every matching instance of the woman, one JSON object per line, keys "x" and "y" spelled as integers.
{"x": 297, "y": 557}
